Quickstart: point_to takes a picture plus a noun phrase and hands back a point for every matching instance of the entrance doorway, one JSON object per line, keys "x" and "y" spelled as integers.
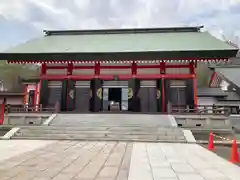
{"x": 115, "y": 99}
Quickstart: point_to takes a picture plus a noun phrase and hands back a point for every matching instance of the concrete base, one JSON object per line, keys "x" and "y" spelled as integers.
{"x": 17, "y": 119}
{"x": 147, "y": 120}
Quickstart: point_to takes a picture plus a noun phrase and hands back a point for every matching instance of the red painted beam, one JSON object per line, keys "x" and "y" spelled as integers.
{"x": 120, "y": 77}
{"x": 162, "y": 65}
{"x": 84, "y": 67}
{"x": 115, "y": 67}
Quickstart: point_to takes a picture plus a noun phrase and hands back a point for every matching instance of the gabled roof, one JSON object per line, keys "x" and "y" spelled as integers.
{"x": 230, "y": 73}
{"x": 123, "y": 44}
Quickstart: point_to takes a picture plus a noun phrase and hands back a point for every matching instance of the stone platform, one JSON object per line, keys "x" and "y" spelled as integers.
{"x": 83, "y": 160}
{"x": 105, "y": 127}
{"x": 145, "y": 120}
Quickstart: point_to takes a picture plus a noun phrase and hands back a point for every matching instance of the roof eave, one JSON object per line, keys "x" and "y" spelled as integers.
{"x": 156, "y": 55}
{"x": 124, "y": 31}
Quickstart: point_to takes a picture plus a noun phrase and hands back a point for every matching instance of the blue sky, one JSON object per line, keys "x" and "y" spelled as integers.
{"x": 21, "y": 20}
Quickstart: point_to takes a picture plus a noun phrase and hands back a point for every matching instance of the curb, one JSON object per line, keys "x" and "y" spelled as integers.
{"x": 49, "y": 120}
{"x": 189, "y": 136}
{"x": 10, "y": 133}
{"x": 173, "y": 121}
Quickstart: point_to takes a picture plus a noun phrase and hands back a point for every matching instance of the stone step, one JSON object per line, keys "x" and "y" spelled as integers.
{"x": 103, "y": 124}
{"x": 99, "y": 139}
{"x": 103, "y": 128}
{"x": 96, "y": 134}
{"x": 103, "y": 137}
{"x": 59, "y": 131}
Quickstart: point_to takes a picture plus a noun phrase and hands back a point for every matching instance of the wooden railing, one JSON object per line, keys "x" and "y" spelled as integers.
{"x": 27, "y": 108}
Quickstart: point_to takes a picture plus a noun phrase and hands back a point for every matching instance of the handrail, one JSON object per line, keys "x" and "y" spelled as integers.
{"x": 26, "y": 108}
{"x": 197, "y": 110}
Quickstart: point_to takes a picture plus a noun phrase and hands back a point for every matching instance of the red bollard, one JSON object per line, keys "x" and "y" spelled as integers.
{"x": 210, "y": 142}
{"x": 234, "y": 154}
{"x": 2, "y": 113}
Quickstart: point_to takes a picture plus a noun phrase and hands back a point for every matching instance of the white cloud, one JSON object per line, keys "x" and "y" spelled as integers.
{"x": 32, "y": 16}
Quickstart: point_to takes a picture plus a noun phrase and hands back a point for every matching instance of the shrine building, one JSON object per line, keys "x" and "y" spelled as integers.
{"x": 142, "y": 70}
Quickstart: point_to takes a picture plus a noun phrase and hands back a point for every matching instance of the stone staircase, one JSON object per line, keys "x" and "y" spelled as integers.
{"x": 104, "y": 128}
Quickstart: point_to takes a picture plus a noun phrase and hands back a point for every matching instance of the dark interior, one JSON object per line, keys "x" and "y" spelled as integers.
{"x": 115, "y": 94}
{"x": 31, "y": 97}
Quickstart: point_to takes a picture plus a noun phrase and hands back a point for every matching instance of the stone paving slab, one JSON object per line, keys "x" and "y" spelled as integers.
{"x": 83, "y": 160}
{"x": 70, "y": 160}
{"x": 12, "y": 148}
{"x": 161, "y": 161}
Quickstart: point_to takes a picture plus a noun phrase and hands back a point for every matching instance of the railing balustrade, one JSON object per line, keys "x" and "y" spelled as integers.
{"x": 27, "y": 108}
{"x": 205, "y": 109}
{"x": 200, "y": 109}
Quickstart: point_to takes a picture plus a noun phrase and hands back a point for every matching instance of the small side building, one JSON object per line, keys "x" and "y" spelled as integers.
{"x": 227, "y": 78}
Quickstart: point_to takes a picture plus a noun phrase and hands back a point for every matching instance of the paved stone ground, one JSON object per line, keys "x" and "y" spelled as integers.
{"x": 67, "y": 160}
{"x": 179, "y": 162}
{"x": 12, "y": 148}
{"x": 74, "y": 160}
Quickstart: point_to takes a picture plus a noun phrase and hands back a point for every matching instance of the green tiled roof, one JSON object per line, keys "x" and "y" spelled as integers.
{"x": 157, "y": 43}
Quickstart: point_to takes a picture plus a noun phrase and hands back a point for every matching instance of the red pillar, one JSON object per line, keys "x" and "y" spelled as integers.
{"x": 97, "y": 69}
{"x": 193, "y": 72}
{"x": 70, "y": 69}
{"x": 69, "y": 73}
{"x": 43, "y": 69}
{"x": 134, "y": 68}
{"x": 43, "y": 72}
{"x": 163, "y": 71}
{"x": 2, "y": 112}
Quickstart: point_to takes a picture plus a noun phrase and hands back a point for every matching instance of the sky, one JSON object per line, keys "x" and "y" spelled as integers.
{"x": 22, "y": 20}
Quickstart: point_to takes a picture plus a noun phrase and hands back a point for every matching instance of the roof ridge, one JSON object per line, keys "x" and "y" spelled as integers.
{"x": 123, "y": 31}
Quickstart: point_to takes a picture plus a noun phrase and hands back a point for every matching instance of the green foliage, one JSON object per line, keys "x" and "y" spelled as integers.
{"x": 10, "y": 74}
